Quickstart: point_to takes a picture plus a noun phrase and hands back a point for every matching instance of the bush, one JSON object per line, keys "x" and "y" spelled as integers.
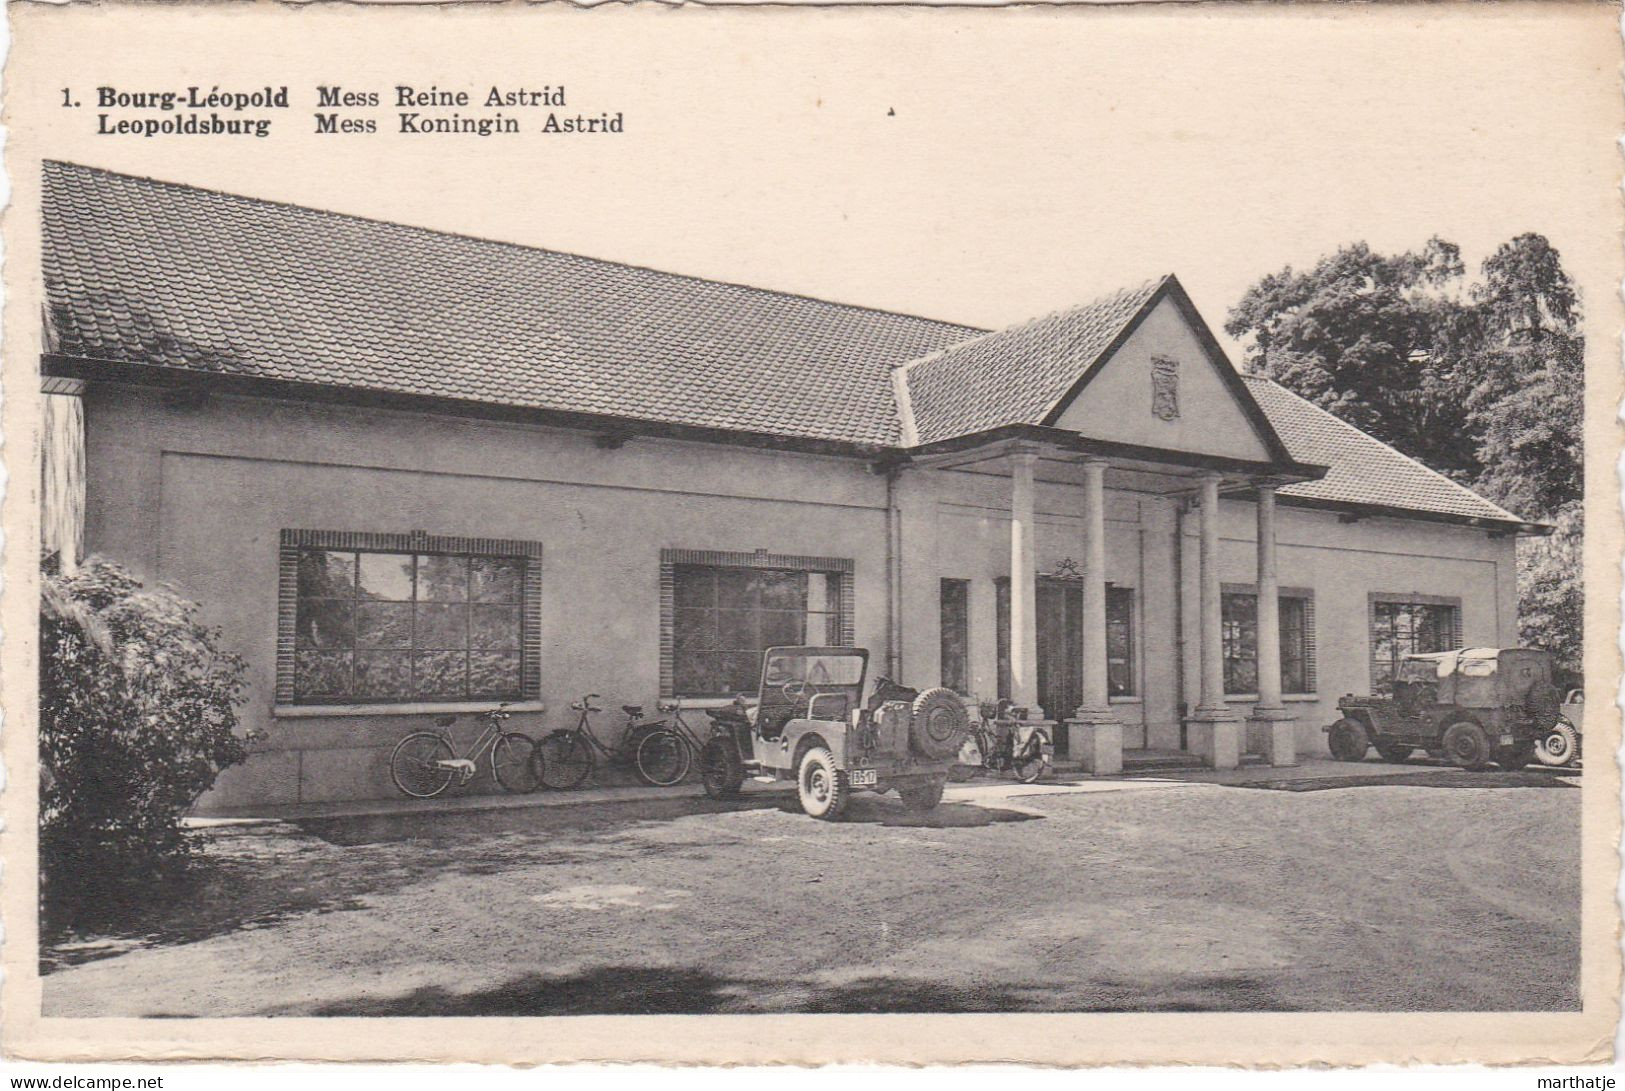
{"x": 138, "y": 711}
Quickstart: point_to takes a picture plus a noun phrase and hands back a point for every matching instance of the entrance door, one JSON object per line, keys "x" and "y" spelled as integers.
{"x": 1060, "y": 647}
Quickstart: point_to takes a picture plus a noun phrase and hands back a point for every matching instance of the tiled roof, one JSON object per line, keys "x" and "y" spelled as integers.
{"x": 1363, "y": 470}
{"x": 1014, "y": 375}
{"x": 146, "y": 272}
{"x": 149, "y": 272}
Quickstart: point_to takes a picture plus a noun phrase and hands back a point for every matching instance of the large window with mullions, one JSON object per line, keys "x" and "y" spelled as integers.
{"x": 720, "y": 611}
{"x": 442, "y": 620}
{"x": 1405, "y": 623}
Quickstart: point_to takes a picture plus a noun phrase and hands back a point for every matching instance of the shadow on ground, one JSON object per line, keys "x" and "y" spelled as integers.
{"x": 188, "y": 910}
{"x": 1443, "y": 778}
{"x": 632, "y": 990}
{"x": 876, "y": 811}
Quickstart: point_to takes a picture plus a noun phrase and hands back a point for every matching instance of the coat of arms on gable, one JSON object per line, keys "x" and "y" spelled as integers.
{"x": 1164, "y": 387}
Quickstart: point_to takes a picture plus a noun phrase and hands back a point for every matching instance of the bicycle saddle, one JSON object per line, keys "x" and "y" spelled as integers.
{"x": 632, "y": 710}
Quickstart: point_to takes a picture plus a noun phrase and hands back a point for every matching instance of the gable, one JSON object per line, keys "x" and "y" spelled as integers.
{"x": 1116, "y": 401}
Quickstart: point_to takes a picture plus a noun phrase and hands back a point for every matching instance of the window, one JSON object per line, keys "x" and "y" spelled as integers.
{"x": 440, "y": 620}
{"x": 1120, "y": 641}
{"x": 1239, "y": 621}
{"x": 955, "y": 620}
{"x": 1001, "y": 640}
{"x": 721, "y": 611}
{"x": 1404, "y": 624}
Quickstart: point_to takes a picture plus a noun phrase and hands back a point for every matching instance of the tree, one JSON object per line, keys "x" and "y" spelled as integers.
{"x": 1368, "y": 337}
{"x": 1523, "y": 386}
{"x": 1485, "y": 384}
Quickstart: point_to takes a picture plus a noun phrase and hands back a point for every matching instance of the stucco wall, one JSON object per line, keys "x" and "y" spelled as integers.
{"x": 198, "y": 497}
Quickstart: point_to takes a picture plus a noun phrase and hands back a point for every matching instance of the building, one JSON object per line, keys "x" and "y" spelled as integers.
{"x": 411, "y": 472}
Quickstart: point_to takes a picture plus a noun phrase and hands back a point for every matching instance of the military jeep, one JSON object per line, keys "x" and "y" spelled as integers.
{"x": 812, "y": 726}
{"x": 1472, "y": 707}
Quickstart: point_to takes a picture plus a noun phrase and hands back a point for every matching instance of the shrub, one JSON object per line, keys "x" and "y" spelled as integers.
{"x": 138, "y": 711}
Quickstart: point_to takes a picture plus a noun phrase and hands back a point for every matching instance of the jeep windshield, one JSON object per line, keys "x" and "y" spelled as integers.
{"x": 805, "y": 682}
{"x": 813, "y": 669}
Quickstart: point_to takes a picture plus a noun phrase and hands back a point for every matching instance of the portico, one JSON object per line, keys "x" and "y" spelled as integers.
{"x": 1082, "y": 474}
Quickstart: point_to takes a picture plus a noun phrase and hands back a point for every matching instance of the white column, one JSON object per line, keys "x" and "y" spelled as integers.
{"x": 1213, "y": 730}
{"x": 1212, "y": 635}
{"x": 1095, "y": 697}
{"x": 1023, "y": 585}
{"x": 1270, "y": 730}
{"x": 1269, "y": 605}
{"x": 1095, "y": 735}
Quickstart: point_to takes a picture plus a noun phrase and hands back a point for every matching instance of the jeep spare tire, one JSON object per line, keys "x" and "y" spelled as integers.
{"x": 939, "y": 723}
{"x": 1543, "y": 704}
{"x": 1559, "y": 746}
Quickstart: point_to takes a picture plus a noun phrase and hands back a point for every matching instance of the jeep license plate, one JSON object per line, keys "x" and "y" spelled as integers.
{"x": 862, "y": 778}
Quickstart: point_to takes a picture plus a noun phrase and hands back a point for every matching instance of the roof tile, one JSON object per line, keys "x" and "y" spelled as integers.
{"x": 1014, "y": 375}
{"x": 1364, "y": 470}
{"x": 149, "y": 272}
{"x": 192, "y": 278}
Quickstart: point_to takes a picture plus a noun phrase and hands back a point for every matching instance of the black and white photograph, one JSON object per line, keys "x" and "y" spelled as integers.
{"x": 848, "y": 513}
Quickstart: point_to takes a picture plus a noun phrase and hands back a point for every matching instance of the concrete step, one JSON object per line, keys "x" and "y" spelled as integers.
{"x": 1139, "y": 763}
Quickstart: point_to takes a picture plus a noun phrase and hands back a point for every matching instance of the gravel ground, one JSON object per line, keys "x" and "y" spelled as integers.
{"x": 1114, "y": 896}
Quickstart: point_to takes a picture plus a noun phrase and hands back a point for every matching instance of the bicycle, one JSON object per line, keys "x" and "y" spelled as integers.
{"x": 425, "y": 763}
{"x": 680, "y": 727}
{"x": 657, "y": 755}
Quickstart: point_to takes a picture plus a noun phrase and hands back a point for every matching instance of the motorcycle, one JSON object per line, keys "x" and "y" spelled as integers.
{"x": 998, "y": 743}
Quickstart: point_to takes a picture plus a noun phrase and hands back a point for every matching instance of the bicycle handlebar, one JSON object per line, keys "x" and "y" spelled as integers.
{"x": 586, "y": 704}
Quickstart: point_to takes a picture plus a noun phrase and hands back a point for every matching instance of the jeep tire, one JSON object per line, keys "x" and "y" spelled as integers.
{"x": 821, "y": 787}
{"x": 1466, "y": 745}
{"x": 937, "y": 726}
{"x": 922, "y": 795}
{"x": 1347, "y": 740}
{"x": 721, "y": 771}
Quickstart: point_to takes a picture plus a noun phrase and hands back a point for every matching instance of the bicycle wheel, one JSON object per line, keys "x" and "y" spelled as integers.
{"x": 415, "y": 768}
{"x": 515, "y": 763}
{"x": 1029, "y": 760}
{"x": 566, "y": 759}
{"x": 661, "y": 759}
